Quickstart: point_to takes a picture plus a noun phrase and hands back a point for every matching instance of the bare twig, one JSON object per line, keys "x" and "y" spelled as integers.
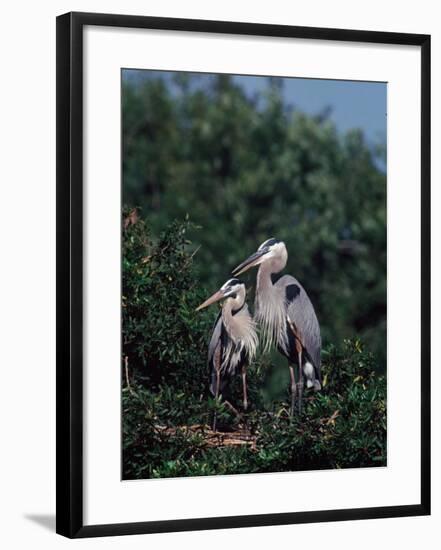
{"x": 126, "y": 369}
{"x": 190, "y": 258}
{"x": 195, "y": 252}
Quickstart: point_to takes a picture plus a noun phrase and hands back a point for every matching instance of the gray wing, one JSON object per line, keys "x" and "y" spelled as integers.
{"x": 302, "y": 314}
{"x": 215, "y": 353}
{"x": 216, "y": 338}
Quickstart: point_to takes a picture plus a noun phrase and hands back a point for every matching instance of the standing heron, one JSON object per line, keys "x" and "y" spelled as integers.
{"x": 286, "y": 315}
{"x": 234, "y": 341}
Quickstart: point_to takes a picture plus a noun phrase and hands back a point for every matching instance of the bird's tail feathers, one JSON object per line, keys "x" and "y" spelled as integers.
{"x": 311, "y": 380}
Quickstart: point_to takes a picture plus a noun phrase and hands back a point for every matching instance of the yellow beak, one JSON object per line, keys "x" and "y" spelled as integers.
{"x": 255, "y": 259}
{"x": 211, "y": 300}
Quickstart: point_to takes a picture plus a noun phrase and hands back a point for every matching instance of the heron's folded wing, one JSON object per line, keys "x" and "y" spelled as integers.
{"x": 301, "y": 312}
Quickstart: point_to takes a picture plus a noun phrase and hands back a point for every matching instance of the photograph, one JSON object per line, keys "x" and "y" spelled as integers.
{"x": 254, "y": 274}
{"x": 219, "y": 316}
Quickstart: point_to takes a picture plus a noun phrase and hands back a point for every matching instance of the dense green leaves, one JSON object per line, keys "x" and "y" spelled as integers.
{"x": 165, "y": 381}
{"x": 160, "y": 327}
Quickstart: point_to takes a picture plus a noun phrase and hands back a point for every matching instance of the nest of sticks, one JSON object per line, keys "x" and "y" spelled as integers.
{"x": 211, "y": 438}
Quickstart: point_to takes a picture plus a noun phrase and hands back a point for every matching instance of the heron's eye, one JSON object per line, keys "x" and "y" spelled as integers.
{"x": 268, "y": 244}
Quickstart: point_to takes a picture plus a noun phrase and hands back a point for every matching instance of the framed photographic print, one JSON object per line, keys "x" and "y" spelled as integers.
{"x": 243, "y": 292}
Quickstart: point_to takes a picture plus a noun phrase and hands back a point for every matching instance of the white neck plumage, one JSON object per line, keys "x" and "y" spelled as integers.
{"x": 271, "y": 305}
{"x": 241, "y": 330}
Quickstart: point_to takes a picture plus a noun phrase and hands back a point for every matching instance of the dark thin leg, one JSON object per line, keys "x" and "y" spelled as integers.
{"x": 300, "y": 382}
{"x": 232, "y": 408}
{"x": 293, "y": 389}
{"x": 216, "y": 397}
{"x": 244, "y": 386}
{"x": 217, "y": 383}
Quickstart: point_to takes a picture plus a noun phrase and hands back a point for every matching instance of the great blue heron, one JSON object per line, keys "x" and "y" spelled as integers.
{"x": 234, "y": 341}
{"x": 286, "y": 315}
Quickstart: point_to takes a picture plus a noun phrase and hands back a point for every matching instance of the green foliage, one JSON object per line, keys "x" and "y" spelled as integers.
{"x": 246, "y": 169}
{"x": 165, "y": 382}
{"x": 160, "y": 327}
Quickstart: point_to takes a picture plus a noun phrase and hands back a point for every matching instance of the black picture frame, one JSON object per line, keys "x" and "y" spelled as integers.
{"x": 69, "y": 335}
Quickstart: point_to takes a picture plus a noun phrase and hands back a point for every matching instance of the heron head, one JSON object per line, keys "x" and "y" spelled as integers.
{"x": 272, "y": 249}
{"x": 233, "y": 288}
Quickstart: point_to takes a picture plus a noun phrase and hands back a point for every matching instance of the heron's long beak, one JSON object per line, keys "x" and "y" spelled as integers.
{"x": 215, "y": 298}
{"x": 255, "y": 259}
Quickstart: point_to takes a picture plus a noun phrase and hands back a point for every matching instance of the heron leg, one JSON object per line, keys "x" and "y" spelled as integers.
{"x": 216, "y": 397}
{"x": 300, "y": 382}
{"x": 244, "y": 386}
{"x": 293, "y": 389}
{"x": 232, "y": 409}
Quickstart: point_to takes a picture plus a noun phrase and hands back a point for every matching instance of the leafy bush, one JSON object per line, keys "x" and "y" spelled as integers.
{"x": 163, "y": 336}
{"x": 165, "y": 382}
